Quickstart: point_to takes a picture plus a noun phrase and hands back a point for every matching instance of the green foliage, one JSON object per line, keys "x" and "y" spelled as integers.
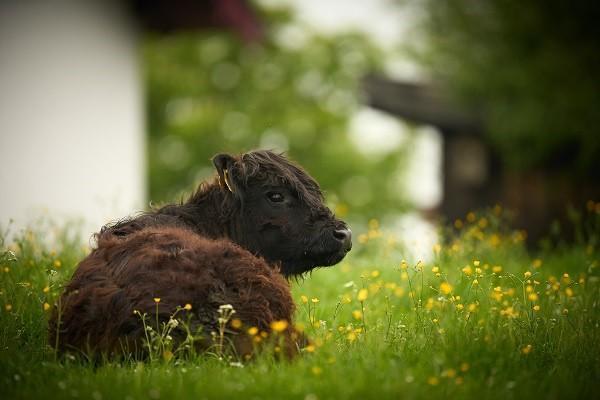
{"x": 210, "y": 93}
{"x": 483, "y": 319}
{"x": 532, "y": 67}
{"x": 32, "y": 270}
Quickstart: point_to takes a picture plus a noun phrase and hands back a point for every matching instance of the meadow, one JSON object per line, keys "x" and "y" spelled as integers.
{"x": 485, "y": 318}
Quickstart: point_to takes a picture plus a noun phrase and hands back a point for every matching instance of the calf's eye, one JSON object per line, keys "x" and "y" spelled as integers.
{"x": 275, "y": 197}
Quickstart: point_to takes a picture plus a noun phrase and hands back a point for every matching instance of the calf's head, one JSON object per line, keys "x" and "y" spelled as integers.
{"x": 281, "y": 212}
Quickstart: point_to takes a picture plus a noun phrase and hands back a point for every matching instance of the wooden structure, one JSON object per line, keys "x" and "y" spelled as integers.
{"x": 473, "y": 174}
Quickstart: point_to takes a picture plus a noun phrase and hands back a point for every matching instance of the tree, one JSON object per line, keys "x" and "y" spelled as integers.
{"x": 209, "y": 92}
{"x": 533, "y": 69}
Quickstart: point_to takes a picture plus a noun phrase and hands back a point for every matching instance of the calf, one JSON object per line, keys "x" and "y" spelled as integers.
{"x": 261, "y": 219}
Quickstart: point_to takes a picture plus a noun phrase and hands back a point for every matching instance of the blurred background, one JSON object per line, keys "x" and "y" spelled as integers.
{"x": 408, "y": 112}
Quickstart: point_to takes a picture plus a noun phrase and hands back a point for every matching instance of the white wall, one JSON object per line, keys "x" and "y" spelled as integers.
{"x": 71, "y": 112}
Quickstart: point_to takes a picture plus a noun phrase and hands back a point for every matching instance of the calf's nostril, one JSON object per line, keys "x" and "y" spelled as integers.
{"x": 344, "y": 236}
{"x": 340, "y": 234}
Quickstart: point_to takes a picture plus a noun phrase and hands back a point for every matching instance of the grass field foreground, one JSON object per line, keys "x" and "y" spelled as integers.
{"x": 486, "y": 318}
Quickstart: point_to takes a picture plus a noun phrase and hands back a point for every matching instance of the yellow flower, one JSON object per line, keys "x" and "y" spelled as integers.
{"x": 471, "y": 217}
{"x": 310, "y": 348}
{"x": 351, "y": 337}
{"x": 509, "y": 312}
{"x": 8, "y": 307}
{"x": 537, "y": 263}
{"x": 429, "y": 304}
{"x": 569, "y": 292}
{"x": 252, "y": 331}
{"x": 315, "y": 300}
{"x": 475, "y": 282}
{"x": 458, "y": 224}
{"x": 167, "y": 355}
{"x": 527, "y": 349}
{"x": 187, "y": 307}
{"x": 450, "y": 373}
{"x": 362, "y": 294}
{"x": 375, "y": 274}
{"x": 529, "y": 288}
{"x": 57, "y": 264}
{"x": 472, "y": 307}
{"x": 435, "y": 270}
{"x": 373, "y": 224}
{"x": 467, "y": 270}
{"x": 532, "y": 297}
{"x": 527, "y": 274}
{"x": 341, "y": 210}
{"x": 459, "y": 306}
{"x": 157, "y": 300}
{"x": 373, "y": 234}
{"x": 433, "y": 381}
{"x": 374, "y": 288}
{"x": 363, "y": 238}
{"x": 399, "y": 292}
{"x": 476, "y": 263}
{"x": 536, "y": 308}
{"x": 357, "y": 314}
{"x": 464, "y": 367}
{"x": 46, "y": 306}
{"x": 304, "y": 299}
{"x": 496, "y": 269}
{"x": 590, "y": 205}
{"x": 46, "y": 289}
{"x": 236, "y": 323}
{"x": 279, "y": 326}
{"x": 316, "y": 370}
{"x": 495, "y": 240}
{"x": 445, "y": 288}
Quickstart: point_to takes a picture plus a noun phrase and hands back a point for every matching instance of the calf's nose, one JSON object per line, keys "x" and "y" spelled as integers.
{"x": 345, "y": 237}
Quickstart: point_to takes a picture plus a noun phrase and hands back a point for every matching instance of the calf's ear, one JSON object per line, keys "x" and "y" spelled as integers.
{"x": 223, "y": 163}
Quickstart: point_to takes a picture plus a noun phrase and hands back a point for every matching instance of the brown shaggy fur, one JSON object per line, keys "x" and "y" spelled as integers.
{"x": 220, "y": 247}
{"x": 177, "y": 266}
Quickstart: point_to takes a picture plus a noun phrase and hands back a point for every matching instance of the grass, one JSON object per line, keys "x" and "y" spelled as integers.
{"x": 486, "y": 318}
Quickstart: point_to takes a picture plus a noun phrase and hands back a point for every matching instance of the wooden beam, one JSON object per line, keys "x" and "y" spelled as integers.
{"x": 421, "y": 104}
